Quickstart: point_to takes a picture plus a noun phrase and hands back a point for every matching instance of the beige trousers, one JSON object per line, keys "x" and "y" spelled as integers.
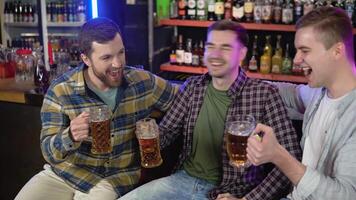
{"x": 47, "y": 185}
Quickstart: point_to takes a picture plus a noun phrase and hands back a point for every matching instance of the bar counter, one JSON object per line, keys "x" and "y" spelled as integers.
{"x": 20, "y": 127}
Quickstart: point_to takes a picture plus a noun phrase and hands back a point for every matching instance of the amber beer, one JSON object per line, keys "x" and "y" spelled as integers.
{"x": 101, "y": 142}
{"x": 148, "y": 138}
{"x": 236, "y": 149}
{"x": 150, "y": 152}
{"x": 100, "y": 130}
{"x": 237, "y": 134}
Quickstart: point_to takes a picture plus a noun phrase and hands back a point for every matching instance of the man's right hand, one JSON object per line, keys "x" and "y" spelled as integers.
{"x": 79, "y": 127}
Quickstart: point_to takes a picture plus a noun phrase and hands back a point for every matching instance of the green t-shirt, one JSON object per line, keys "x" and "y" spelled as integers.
{"x": 109, "y": 96}
{"x": 205, "y": 159}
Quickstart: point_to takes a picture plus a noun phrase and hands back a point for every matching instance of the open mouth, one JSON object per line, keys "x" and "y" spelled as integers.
{"x": 114, "y": 73}
{"x": 216, "y": 62}
{"x": 307, "y": 71}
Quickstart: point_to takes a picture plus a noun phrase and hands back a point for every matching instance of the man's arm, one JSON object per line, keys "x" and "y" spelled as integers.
{"x": 56, "y": 140}
{"x": 172, "y": 123}
{"x": 309, "y": 182}
{"x": 276, "y": 116}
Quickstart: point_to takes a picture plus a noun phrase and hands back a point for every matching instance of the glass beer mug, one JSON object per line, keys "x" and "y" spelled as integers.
{"x": 238, "y": 131}
{"x": 100, "y": 129}
{"x": 147, "y": 134}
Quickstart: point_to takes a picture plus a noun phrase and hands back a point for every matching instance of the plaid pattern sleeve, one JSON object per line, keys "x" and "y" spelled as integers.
{"x": 276, "y": 117}
{"x": 172, "y": 123}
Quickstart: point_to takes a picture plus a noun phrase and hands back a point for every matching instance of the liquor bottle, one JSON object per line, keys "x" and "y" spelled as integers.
{"x": 253, "y": 63}
{"x": 201, "y": 53}
{"x": 219, "y": 9}
{"x": 192, "y": 4}
{"x": 349, "y": 8}
{"x": 81, "y": 11}
{"x": 11, "y": 12}
{"x": 277, "y": 12}
{"x": 257, "y": 12}
{"x": 172, "y": 55}
{"x": 340, "y": 4}
{"x": 248, "y": 10}
{"x": 287, "y": 12}
{"x": 7, "y": 12}
{"x": 188, "y": 52}
{"x": 238, "y": 10}
{"x": 307, "y": 7}
{"x": 60, "y": 14}
{"x": 287, "y": 62}
{"x": 16, "y": 11}
{"x": 20, "y": 12}
{"x": 173, "y": 9}
{"x": 65, "y": 11}
{"x": 228, "y": 9}
{"x": 195, "y": 55}
{"x": 25, "y": 12}
{"x": 182, "y": 9}
{"x": 211, "y": 10}
{"x": 329, "y": 3}
{"x": 298, "y": 10}
{"x": 267, "y": 9}
{"x": 201, "y": 10}
{"x": 265, "y": 63}
{"x": 277, "y": 57}
{"x": 180, "y": 51}
{"x": 319, "y": 3}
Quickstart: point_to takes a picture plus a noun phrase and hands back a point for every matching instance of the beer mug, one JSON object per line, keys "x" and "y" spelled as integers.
{"x": 148, "y": 137}
{"x": 238, "y": 131}
{"x": 100, "y": 129}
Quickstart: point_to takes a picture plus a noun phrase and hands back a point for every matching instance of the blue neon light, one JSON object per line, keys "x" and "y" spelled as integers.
{"x": 94, "y": 9}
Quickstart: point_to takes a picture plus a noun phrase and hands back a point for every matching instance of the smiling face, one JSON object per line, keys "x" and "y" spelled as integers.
{"x": 223, "y": 53}
{"x": 105, "y": 63}
{"x": 317, "y": 61}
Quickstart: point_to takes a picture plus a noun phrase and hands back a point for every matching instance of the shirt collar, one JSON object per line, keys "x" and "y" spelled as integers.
{"x": 235, "y": 88}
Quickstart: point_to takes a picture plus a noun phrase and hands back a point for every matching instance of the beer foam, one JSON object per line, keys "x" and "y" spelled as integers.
{"x": 243, "y": 128}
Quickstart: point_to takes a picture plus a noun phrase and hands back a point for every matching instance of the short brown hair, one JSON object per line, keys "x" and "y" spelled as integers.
{"x": 100, "y": 30}
{"x": 228, "y": 25}
{"x": 333, "y": 25}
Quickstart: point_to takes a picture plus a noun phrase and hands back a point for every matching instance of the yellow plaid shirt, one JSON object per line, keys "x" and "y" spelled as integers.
{"x": 68, "y": 96}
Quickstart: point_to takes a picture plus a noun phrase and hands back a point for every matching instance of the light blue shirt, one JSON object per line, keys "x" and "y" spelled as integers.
{"x": 334, "y": 177}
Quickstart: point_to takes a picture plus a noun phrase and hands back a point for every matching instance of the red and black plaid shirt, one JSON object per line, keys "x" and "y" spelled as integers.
{"x": 249, "y": 96}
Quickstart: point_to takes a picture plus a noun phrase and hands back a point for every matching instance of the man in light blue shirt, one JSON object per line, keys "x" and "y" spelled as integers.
{"x": 324, "y": 43}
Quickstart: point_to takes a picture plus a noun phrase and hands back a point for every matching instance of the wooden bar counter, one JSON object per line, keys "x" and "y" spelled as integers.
{"x": 20, "y": 127}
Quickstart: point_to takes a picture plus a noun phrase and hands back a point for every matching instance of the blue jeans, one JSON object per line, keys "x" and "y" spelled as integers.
{"x": 176, "y": 186}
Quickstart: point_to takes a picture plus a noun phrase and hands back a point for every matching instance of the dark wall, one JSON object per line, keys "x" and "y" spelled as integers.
{"x": 19, "y": 146}
{"x": 133, "y": 22}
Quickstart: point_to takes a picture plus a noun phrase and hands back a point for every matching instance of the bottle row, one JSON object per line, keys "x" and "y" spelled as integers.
{"x": 190, "y": 54}
{"x": 275, "y": 59}
{"x": 59, "y": 11}
{"x": 18, "y": 11}
{"x": 256, "y": 11}
{"x": 66, "y": 11}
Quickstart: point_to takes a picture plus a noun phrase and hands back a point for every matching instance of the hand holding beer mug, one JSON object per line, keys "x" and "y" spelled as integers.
{"x": 148, "y": 137}
{"x": 238, "y": 132}
{"x": 100, "y": 129}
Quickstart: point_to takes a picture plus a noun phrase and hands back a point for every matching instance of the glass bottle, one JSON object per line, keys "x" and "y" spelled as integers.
{"x": 191, "y": 9}
{"x": 257, "y": 12}
{"x": 248, "y": 10}
{"x": 298, "y": 10}
{"x": 277, "y": 12}
{"x": 308, "y": 6}
{"x": 201, "y": 10}
{"x": 182, "y": 9}
{"x": 188, "y": 52}
{"x": 228, "y": 9}
{"x": 211, "y": 10}
{"x": 277, "y": 57}
{"x": 287, "y": 12}
{"x": 287, "y": 62}
{"x": 180, "y": 51}
{"x": 265, "y": 63}
{"x": 238, "y": 10}
{"x": 219, "y": 9}
{"x": 267, "y": 9}
{"x": 195, "y": 55}
{"x": 253, "y": 63}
